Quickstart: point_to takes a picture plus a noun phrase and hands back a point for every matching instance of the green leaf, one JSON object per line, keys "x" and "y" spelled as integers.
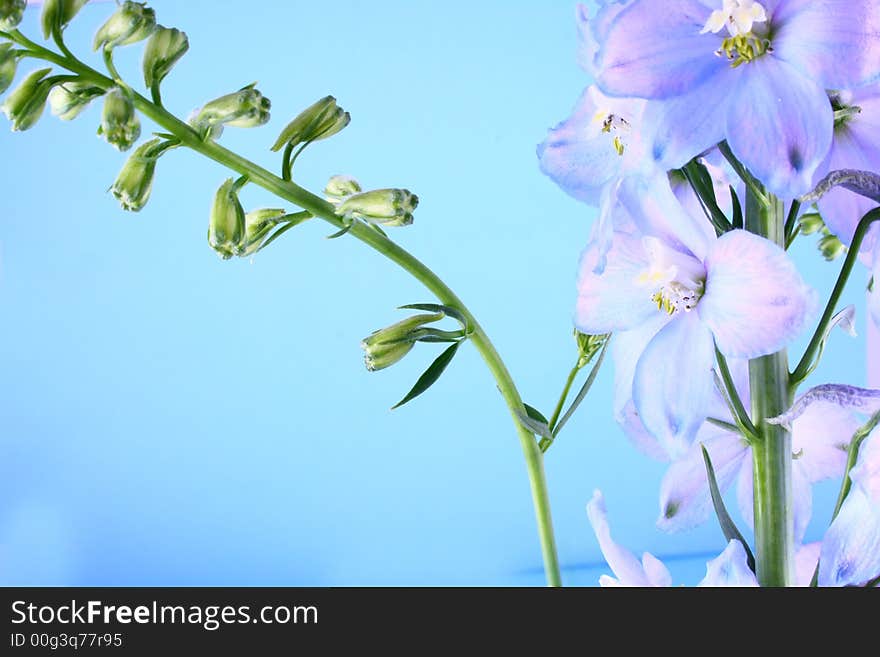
{"x": 342, "y": 232}
{"x": 583, "y": 391}
{"x": 738, "y": 221}
{"x": 535, "y": 414}
{"x": 440, "y": 308}
{"x": 539, "y": 427}
{"x": 430, "y": 376}
{"x": 727, "y": 525}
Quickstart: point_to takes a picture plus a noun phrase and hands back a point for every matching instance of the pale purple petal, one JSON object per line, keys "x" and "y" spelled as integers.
{"x": 612, "y": 301}
{"x": 756, "y": 301}
{"x": 781, "y": 125}
{"x": 851, "y": 547}
{"x": 837, "y": 42}
{"x": 806, "y": 558}
{"x": 657, "y": 572}
{"x": 685, "y": 501}
{"x": 658, "y": 53}
{"x": 730, "y": 569}
{"x": 673, "y": 384}
{"x": 873, "y": 347}
{"x": 874, "y": 299}
{"x": 592, "y": 31}
{"x": 866, "y": 473}
{"x": 820, "y": 438}
{"x": 622, "y": 562}
{"x": 745, "y": 492}
{"x": 864, "y": 400}
{"x": 802, "y": 500}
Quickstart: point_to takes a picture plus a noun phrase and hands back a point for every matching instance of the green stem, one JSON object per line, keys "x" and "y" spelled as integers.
{"x": 772, "y": 453}
{"x": 318, "y": 207}
{"x": 791, "y": 222}
{"x": 744, "y": 422}
{"x": 806, "y": 363}
{"x": 565, "y": 391}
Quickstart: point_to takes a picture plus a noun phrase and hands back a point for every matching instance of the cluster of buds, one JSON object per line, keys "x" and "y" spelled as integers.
{"x": 321, "y": 120}
{"x": 132, "y": 22}
{"x": 246, "y": 108}
{"x": 588, "y": 346}
{"x": 11, "y": 12}
{"x": 119, "y": 122}
{"x": 830, "y": 246}
{"x": 387, "y": 346}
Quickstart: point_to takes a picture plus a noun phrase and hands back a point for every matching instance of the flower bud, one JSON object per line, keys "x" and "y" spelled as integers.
{"x": 134, "y": 183}
{"x": 811, "y": 223}
{"x": 341, "y": 187}
{"x": 165, "y": 47}
{"x": 25, "y": 104}
{"x": 258, "y": 225}
{"x": 8, "y": 65}
{"x": 11, "y": 12}
{"x": 132, "y": 22}
{"x": 119, "y": 122}
{"x": 69, "y": 99}
{"x": 387, "y": 346}
{"x": 60, "y": 11}
{"x": 388, "y": 207}
{"x": 246, "y": 108}
{"x": 319, "y": 121}
{"x": 831, "y": 247}
{"x": 588, "y": 346}
{"x": 226, "y": 231}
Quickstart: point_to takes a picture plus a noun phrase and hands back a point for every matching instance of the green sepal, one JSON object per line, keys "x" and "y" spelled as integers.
{"x": 727, "y": 525}
{"x": 342, "y": 232}
{"x": 430, "y": 376}
{"x": 449, "y": 311}
{"x": 738, "y": 217}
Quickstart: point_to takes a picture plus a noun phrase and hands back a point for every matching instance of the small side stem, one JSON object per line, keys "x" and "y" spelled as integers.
{"x": 565, "y": 391}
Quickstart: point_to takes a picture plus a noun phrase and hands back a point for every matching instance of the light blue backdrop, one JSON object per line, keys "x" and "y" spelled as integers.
{"x": 171, "y": 419}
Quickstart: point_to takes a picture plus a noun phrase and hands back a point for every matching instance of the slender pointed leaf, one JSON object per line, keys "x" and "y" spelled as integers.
{"x": 538, "y": 427}
{"x": 738, "y": 220}
{"x": 727, "y": 525}
{"x": 583, "y": 391}
{"x": 430, "y": 376}
{"x": 535, "y": 414}
{"x": 342, "y": 232}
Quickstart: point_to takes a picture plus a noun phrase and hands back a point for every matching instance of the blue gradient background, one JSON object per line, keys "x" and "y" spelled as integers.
{"x": 171, "y": 419}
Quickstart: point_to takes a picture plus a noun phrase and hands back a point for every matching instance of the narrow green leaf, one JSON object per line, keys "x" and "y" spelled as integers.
{"x": 430, "y": 376}
{"x": 583, "y": 391}
{"x": 535, "y": 414}
{"x": 535, "y": 426}
{"x": 738, "y": 220}
{"x": 341, "y": 232}
{"x": 727, "y": 525}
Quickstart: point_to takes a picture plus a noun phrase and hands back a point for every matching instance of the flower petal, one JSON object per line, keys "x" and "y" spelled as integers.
{"x": 874, "y": 300}
{"x": 851, "y": 547}
{"x": 731, "y": 568}
{"x": 612, "y": 301}
{"x": 673, "y": 383}
{"x": 781, "y": 129}
{"x": 657, "y": 572}
{"x": 657, "y": 54}
{"x": 820, "y": 438}
{"x": 873, "y": 348}
{"x": 806, "y": 558}
{"x": 756, "y": 301}
{"x": 837, "y": 42}
{"x": 685, "y": 501}
{"x": 622, "y": 562}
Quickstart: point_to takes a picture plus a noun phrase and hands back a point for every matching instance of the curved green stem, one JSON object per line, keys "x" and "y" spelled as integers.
{"x": 804, "y": 366}
{"x": 318, "y": 207}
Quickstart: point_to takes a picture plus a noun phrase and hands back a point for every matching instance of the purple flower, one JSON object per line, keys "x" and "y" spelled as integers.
{"x": 873, "y": 355}
{"x": 760, "y": 84}
{"x": 682, "y": 292}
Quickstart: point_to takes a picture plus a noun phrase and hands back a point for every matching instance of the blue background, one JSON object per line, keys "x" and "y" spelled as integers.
{"x": 171, "y": 419}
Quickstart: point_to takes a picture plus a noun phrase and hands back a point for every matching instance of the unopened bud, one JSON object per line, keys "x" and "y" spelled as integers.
{"x": 69, "y": 99}
{"x": 132, "y": 22}
{"x": 226, "y": 230}
{"x": 246, "y": 108}
{"x": 134, "y": 183}
{"x": 119, "y": 122}
{"x": 341, "y": 187}
{"x": 319, "y": 121}
{"x": 59, "y": 12}
{"x": 8, "y": 65}
{"x": 387, "y": 346}
{"x": 258, "y": 225}
{"x": 25, "y": 104}
{"x": 588, "y": 346}
{"x": 11, "y": 12}
{"x": 165, "y": 47}
{"x": 388, "y": 207}
{"x": 811, "y": 223}
{"x": 831, "y": 247}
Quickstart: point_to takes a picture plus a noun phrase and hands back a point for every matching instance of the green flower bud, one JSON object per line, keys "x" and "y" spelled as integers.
{"x": 258, "y": 225}
{"x": 246, "y": 108}
{"x": 11, "y": 12}
{"x": 341, "y": 187}
{"x": 388, "y": 207}
{"x": 387, "y": 346}
{"x": 831, "y": 247}
{"x": 132, "y": 22}
{"x": 62, "y": 11}
{"x": 226, "y": 230}
{"x": 134, "y": 183}
{"x": 119, "y": 122}
{"x": 24, "y": 106}
{"x": 69, "y": 99}
{"x": 319, "y": 121}
{"x": 8, "y": 65}
{"x": 165, "y": 47}
{"x": 811, "y": 223}
{"x": 588, "y": 346}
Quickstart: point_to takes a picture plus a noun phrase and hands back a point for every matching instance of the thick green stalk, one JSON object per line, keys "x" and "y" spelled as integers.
{"x": 320, "y": 208}
{"x": 772, "y": 452}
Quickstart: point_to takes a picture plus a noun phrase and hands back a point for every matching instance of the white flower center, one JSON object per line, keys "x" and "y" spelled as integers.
{"x": 740, "y": 18}
{"x": 613, "y": 124}
{"x": 674, "y": 280}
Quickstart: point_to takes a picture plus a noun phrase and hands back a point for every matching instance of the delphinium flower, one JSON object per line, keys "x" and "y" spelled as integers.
{"x": 752, "y": 73}
{"x": 873, "y": 348}
{"x": 681, "y": 292}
